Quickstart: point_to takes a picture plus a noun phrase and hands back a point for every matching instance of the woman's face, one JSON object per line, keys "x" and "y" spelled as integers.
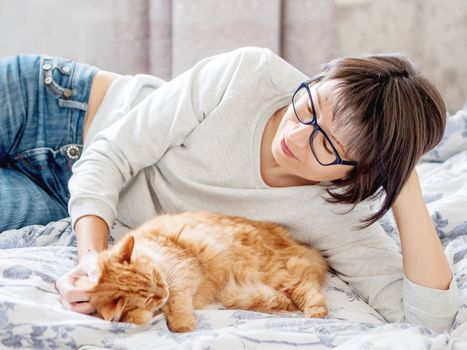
{"x": 300, "y": 161}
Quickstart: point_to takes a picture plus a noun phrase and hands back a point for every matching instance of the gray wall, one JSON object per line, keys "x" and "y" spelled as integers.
{"x": 165, "y": 37}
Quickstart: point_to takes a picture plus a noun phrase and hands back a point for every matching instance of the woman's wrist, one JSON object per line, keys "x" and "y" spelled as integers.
{"x": 88, "y": 254}
{"x": 92, "y": 234}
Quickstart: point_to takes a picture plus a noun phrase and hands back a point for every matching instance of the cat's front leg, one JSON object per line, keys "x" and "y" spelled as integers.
{"x": 179, "y": 312}
{"x": 255, "y": 296}
{"x": 138, "y": 317}
{"x": 309, "y": 299}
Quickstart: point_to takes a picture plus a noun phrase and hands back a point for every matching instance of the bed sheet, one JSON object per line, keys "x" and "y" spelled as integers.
{"x": 31, "y": 316}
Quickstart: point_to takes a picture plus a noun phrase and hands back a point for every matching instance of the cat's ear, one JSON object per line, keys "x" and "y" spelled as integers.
{"x": 126, "y": 248}
{"x": 156, "y": 277}
{"x": 112, "y": 311}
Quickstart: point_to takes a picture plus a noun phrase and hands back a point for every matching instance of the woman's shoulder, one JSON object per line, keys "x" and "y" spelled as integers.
{"x": 253, "y": 52}
{"x": 252, "y": 60}
{"x": 231, "y": 72}
{"x": 253, "y": 63}
{"x": 249, "y": 59}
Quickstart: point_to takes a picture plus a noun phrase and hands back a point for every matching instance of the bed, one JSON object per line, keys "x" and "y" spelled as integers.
{"x": 32, "y": 258}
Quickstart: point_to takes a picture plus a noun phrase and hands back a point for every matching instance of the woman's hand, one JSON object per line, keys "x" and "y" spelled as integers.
{"x": 91, "y": 235}
{"x": 71, "y": 296}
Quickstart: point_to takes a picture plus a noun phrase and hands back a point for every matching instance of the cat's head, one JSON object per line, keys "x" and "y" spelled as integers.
{"x": 128, "y": 288}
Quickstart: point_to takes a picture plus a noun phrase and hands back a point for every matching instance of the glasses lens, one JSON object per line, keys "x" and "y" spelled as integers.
{"x": 321, "y": 148}
{"x": 302, "y": 105}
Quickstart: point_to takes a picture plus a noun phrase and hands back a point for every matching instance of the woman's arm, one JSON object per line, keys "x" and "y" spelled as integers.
{"x": 138, "y": 140}
{"x": 402, "y": 288}
{"x": 424, "y": 260}
{"x": 144, "y": 133}
{"x": 430, "y": 293}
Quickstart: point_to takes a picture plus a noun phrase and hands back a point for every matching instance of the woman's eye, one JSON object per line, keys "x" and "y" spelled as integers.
{"x": 326, "y": 147}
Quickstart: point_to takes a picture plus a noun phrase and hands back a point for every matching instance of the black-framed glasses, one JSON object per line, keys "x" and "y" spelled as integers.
{"x": 320, "y": 143}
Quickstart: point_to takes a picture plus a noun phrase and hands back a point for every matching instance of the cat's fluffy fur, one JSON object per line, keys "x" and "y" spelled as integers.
{"x": 180, "y": 262}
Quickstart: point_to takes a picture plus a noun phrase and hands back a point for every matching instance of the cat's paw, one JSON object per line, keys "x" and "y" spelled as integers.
{"x": 181, "y": 323}
{"x": 280, "y": 302}
{"x": 316, "y": 311}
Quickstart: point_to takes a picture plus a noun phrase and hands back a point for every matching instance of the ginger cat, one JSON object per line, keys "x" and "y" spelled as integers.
{"x": 176, "y": 263}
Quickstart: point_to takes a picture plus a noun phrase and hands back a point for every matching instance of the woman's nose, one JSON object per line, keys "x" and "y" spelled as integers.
{"x": 300, "y": 135}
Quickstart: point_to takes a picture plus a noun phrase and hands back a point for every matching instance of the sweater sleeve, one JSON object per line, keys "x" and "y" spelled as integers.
{"x": 434, "y": 308}
{"x": 161, "y": 121}
{"x": 370, "y": 262}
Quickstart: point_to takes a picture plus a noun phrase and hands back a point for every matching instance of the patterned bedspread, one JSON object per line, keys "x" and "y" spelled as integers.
{"x": 31, "y": 316}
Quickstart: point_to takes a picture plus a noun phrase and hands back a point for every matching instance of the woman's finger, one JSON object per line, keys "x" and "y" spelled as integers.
{"x": 75, "y": 295}
{"x": 68, "y": 280}
{"x": 81, "y": 307}
{"x": 84, "y": 308}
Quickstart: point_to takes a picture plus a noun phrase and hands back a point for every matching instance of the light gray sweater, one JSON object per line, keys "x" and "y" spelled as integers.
{"x": 194, "y": 144}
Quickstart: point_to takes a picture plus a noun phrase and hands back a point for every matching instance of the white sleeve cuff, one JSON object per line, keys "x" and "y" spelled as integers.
{"x": 91, "y": 206}
{"x": 431, "y": 307}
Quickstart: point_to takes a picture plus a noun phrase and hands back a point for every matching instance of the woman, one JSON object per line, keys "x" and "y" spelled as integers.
{"x": 243, "y": 133}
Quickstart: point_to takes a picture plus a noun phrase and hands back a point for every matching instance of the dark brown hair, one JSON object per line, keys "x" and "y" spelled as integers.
{"x": 393, "y": 114}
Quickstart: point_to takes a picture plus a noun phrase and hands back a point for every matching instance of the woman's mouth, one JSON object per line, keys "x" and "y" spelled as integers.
{"x": 286, "y": 150}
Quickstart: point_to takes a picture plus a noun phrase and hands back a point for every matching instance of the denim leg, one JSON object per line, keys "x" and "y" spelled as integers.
{"x": 23, "y": 202}
{"x": 18, "y": 90}
{"x": 43, "y": 102}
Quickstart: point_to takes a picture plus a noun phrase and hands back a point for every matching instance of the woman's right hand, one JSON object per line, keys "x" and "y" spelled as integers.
{"x": 72, "y": 296}
{"x": 91, "y": 236}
